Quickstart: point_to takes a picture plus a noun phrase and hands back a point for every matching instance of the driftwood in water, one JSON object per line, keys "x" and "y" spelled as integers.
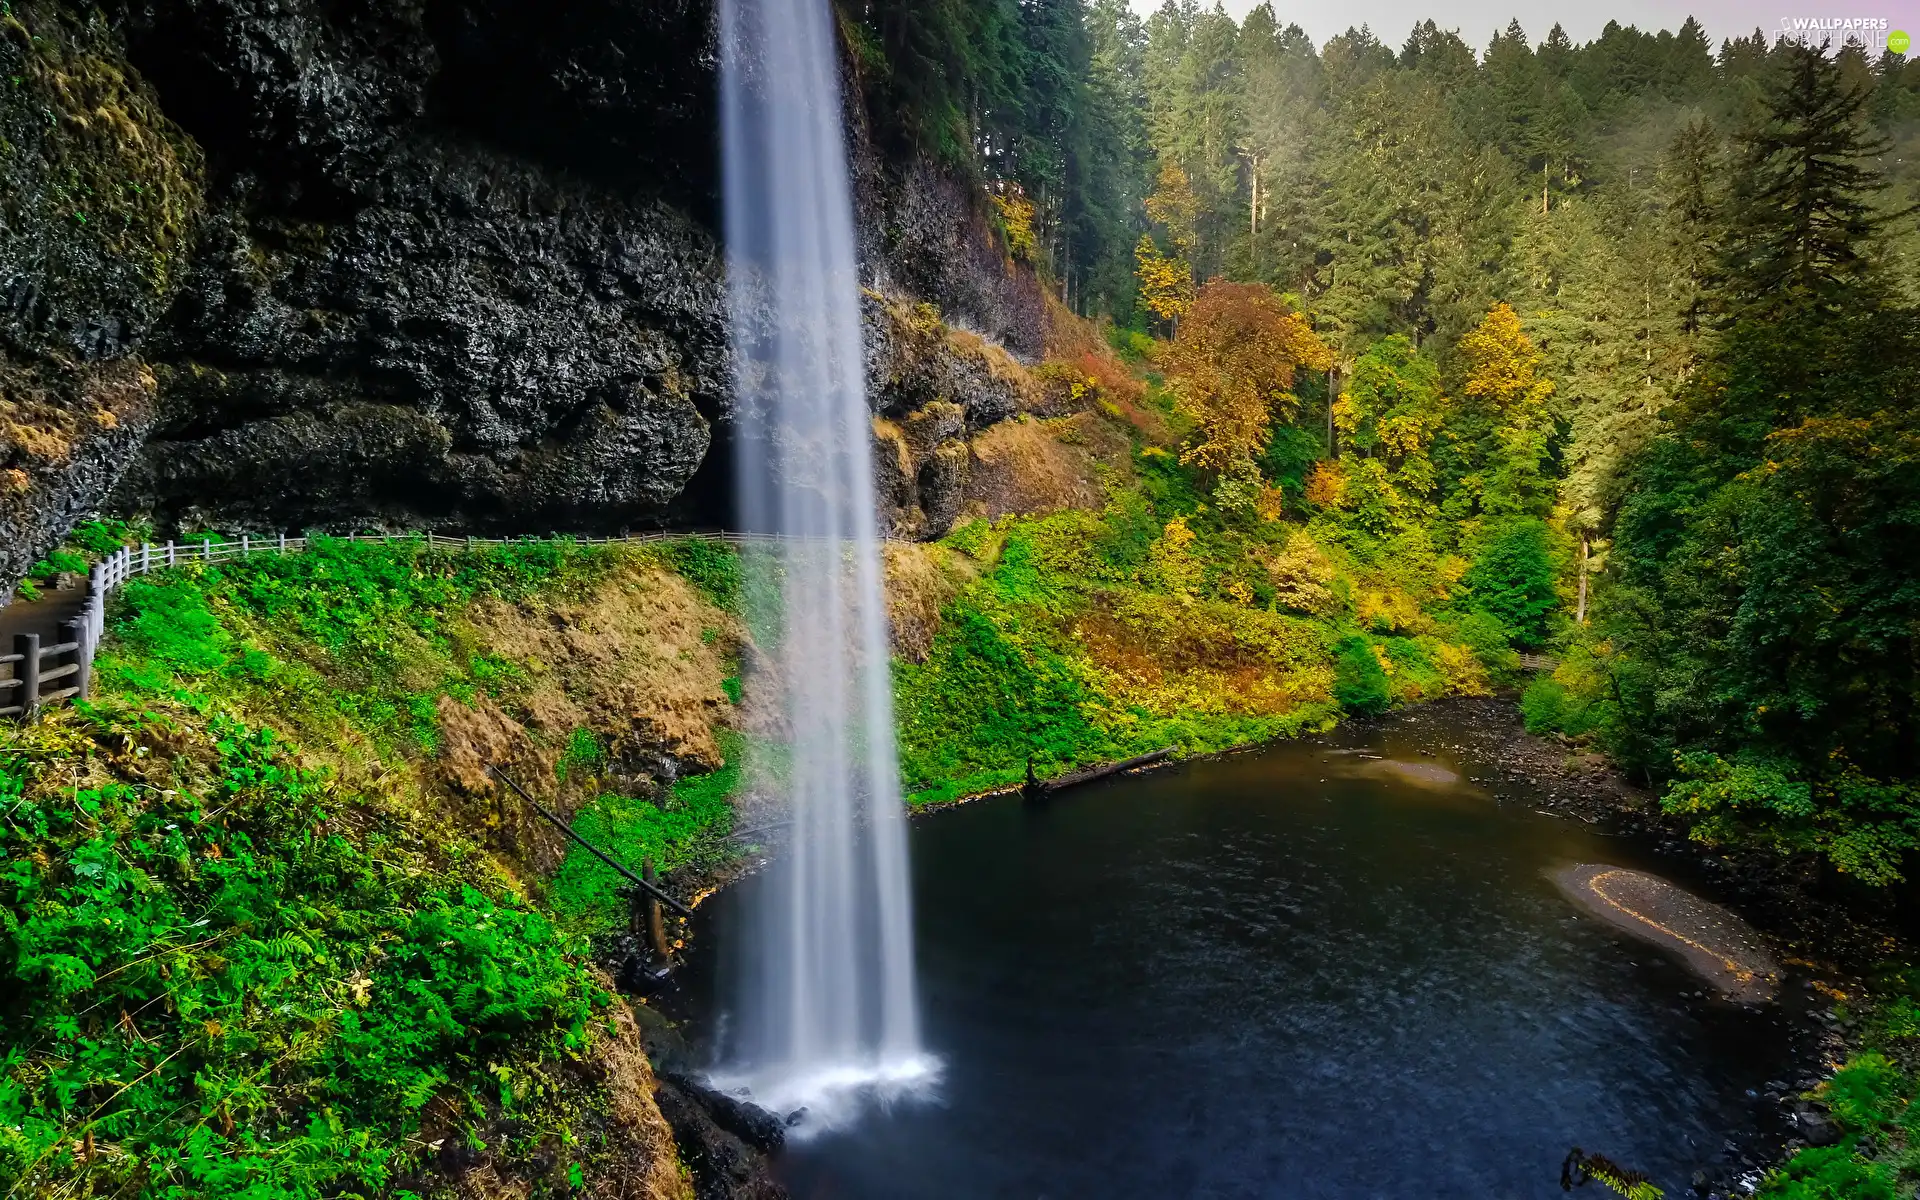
{"x": 1038, "y": 788}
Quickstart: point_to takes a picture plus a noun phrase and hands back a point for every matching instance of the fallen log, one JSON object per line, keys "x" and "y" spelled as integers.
{"x": 1036, "y": 789}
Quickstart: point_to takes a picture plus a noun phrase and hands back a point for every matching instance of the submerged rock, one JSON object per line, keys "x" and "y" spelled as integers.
{"x": 1706, "y": 937}
{"x": 1424, "y": 774}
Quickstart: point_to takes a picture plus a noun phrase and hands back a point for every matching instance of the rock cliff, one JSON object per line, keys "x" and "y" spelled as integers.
{"x": 449, "y": 264}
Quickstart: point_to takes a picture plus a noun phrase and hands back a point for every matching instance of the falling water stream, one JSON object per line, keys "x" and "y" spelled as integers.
{"x": 825, "y": 1003}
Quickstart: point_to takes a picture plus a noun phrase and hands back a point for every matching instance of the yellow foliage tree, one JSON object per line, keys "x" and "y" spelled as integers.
{"x": 1016, "y": 218}
{"x": 1232, "y": 368}
{"x": 1503, "y": 372}
{"x": 1170, "y": 562}
{"x": 1503, "y": 368}
{"x": 1166, "y": 284}
{"x": 1175, "y": 208}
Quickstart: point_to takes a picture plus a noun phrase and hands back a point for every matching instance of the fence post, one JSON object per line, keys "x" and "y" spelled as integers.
{"x": 656, "y": 920}
{"x": 171, "y": 552}
{"x": 75, "y": 631}
{"x": 27, "y": 646}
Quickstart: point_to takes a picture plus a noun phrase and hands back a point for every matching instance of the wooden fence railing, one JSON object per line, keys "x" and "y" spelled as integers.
{"x": 35, "y": 666}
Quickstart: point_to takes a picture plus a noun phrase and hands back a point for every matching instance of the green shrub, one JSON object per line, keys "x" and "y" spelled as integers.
{"x": 972, "y": 538}
{"x": 1512, "y": 579}
{"x": 1289, "y": 455}
{"x": 1829, "y": 1173}
{"x": 1546, "y": 707}
{"x": 1359, "y": 682}
{"x": 233, "y": 992}
{"x": 1864, "y": 826}
{"x": 713, "y": 568}
{"x": 103, "y": 536}
{"x": 688, "y": 826}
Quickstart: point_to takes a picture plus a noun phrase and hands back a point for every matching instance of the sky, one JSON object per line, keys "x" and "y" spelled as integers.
{"x": 1583, "y": 19}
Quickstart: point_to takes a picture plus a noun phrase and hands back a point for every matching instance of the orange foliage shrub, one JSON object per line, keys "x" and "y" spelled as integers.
{"x": 1232, "y": 368}
{"x": 1327, "y": 484}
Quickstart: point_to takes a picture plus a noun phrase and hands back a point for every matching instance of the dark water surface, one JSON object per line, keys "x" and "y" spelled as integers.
{"x": 1296, "y": 973}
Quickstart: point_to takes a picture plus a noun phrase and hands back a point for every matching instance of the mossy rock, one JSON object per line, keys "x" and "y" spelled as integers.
{"x": 98, "y": 190}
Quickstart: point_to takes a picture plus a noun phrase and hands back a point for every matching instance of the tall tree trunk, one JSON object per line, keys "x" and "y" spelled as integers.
{"x": 1333, "y": 393}
{"x": 1586, "y": 551}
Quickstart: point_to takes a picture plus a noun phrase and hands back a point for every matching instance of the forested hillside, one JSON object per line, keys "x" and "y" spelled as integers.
{"x": 1643, "y": 306}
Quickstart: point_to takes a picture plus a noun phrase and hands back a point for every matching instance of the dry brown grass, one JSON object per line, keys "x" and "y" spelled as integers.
{"x": 639, "y": 662}
{"x": 1070, "y": 335}
{"x": 921, "y": 581}
{"x": 1029, "y": 466}
{"x": 646, "y": 1163}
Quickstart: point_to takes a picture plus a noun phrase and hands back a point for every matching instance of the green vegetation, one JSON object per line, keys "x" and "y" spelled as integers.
{"x": 1872, "y": 1099}
{"x": 230, "y": 977}
{"x": 293, "y": 964}
{"x": 1205, "y": 606}
{"x": 688, "y": 829}
{"x": 1753, "y": 642}
{"x": 1628, "y": 328}
{"x": 346, "y": 634}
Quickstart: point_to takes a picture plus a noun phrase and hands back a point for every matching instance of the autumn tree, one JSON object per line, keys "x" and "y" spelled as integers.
{"x": 1232, "y": 369}
{"x": 1510, "y": 396}
{"x": 1388, "y": 415}
{"x": 1174, "y": 208}
{"x": 1166, "y": 281}
{"x": 1166, "y": 284}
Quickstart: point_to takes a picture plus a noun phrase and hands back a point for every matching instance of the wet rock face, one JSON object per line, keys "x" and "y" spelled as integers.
{"x": 480, "y": 346}
{"x": 423, "y": 264}
{"x": 98, "y": 195}
{"x": 928, "y": 240}
{"x": 430, "y": 294}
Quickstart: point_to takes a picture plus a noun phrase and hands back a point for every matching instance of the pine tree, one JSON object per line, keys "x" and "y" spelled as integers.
{"x": 1804, "y": 211}
{"x": 1692, "y": 181}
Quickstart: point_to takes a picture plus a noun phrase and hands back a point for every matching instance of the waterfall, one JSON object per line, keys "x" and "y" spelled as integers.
{"x": 825, "y": 1011}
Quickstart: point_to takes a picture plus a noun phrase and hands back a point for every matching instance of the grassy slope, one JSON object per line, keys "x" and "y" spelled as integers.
{"x": 253, "y": 967}
{"x": 1156, "y": 621}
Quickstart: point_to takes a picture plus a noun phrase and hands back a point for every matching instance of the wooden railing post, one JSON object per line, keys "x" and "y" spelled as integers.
{"x": 75, "y": 631}
{"x": 656, "y": 920}
{"x": 27, "y": 646}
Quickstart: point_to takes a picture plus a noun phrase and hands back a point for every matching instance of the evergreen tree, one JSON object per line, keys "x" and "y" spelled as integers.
{"x": 1804, "y": 215}
{"x": 1694, "y": 232}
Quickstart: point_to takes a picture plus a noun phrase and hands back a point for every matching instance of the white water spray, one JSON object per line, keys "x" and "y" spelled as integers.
{"x": 828, "y": 1011}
